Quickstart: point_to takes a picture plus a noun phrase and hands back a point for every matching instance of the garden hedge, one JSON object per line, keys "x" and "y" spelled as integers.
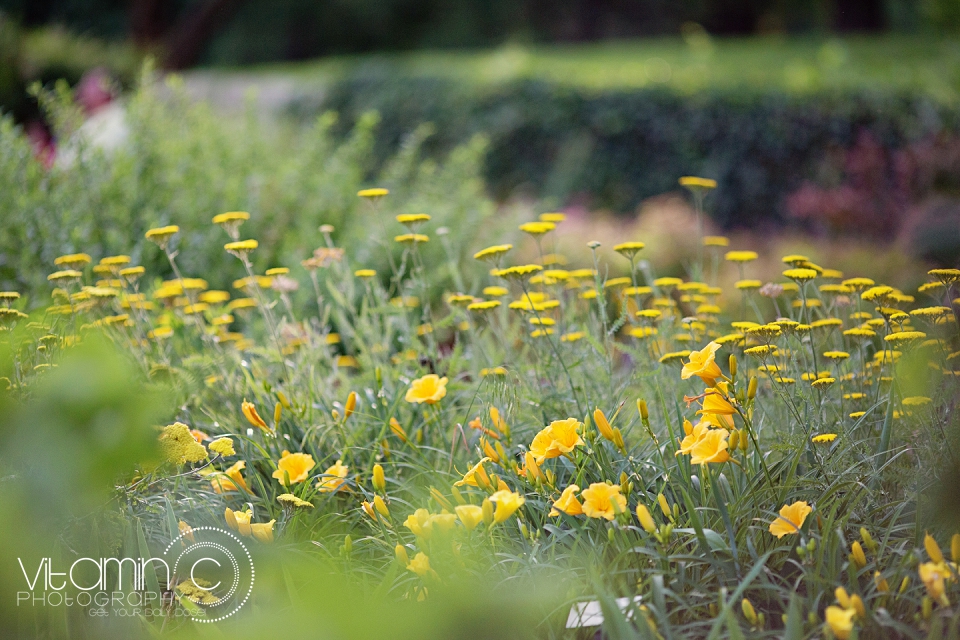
{"x": 613, "y": 148}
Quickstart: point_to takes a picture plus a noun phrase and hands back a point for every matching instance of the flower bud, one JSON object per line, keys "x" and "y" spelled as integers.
{"x": 882, "y": 585}
{"x": 752, "y": 388}
{"x": 955, "y": 547}
{"x": 401, "y": 552}
{"x": 283, "y": 399}
{"x": 904, "y": 585}
{"x": 381, "y": 506}
{"x": 347, "y": 544}
{"x": 379, "y": 480}
{"x": 857, "y": 603}
{"x": 857, "y": 556}
{"x": 868, "y": 540}
{"x": 933, "y": 549}
{"x": 744, "y": 440}
{"x": 378, "y": 374}
{"x": 533, "y": 469}
{"x": 398, "y": 430}
{"x": 441, "y": 500}
{"x": 748, "y": 611}
{"x": 603, "y": 426}
{"x": 734, "y": 439}
{"x": 646, "y": 520}
{"x": 350, "y": 405}
{"x": 664, "y": 505}
{"x": 842, "y": 597}
{"x": 277, "y": 412}
{"x": 489, "y": 451}
{"x": 642, "y": 409}
{"x": 487, "y": 507}
{"x": 732, "y": 362}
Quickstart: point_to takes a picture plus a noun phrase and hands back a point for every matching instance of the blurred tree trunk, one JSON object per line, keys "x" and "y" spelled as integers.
{"x": 859, "y": 15}
{"x": 182, "y": 37}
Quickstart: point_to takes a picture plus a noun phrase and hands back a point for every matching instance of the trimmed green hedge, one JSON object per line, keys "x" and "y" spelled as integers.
{"x": 616, "y": 147}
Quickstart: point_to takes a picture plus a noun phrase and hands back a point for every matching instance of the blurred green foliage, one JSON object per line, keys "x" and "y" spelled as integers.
{"x": 182, "y": 163}
{"x": 267, "y": 30}
{"x": 615, "y": 146}
{"x": 48, "y": 54}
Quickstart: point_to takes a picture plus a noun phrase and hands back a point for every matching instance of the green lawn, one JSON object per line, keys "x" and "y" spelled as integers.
{"x": 795, "y": 65}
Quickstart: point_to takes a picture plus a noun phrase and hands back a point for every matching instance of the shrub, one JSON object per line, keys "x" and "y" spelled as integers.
{"x": 182, "y": 162}
{"x": 500, "y": 454}
{"x": 615, "y": 147}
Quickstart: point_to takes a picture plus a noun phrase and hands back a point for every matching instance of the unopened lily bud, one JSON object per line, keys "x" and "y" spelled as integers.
{"x": 744, "y": 440}
{"x": 857, "y": 603}
{"x": 441, "y": 500}
{"x": 335, "y": 414}
{"x": 487, "y": 507}
{"x": 904, "y": 585}
{"x": 926, "y": 607}
{"x": 398, "y": 430}
{"x": 277, "y": 413}
{"x": 646, "y": 520}
{"x": 457, "y": 496}
{"x": 603, "y": 426}
{"x": 882, "y": 585}
{"x": 734, "y": 439}
{"x": 498, "y": 422}
{"x": 752, "y": 388}
{"x": 283, "y": 399}
{"x": 857, "y": 556}
{"x": 386, "y": 449}
{"x": 842, "y": 597}
{"x": 500, "y": 452}
{"x": 401, "y": 552}
{"x": 623, "y": 479}
{"x": 489, "y": 451}
{"x": 687, "y": 427}
{"x": 379, "y": 480}
{"x": 955, "y": 547}
{"x": 732, "y": 362}
{"x": 347, "y": 544}
{"x": 748, "y": 611}
{"x": 664, "y": 505}
{"x": 350, "y": 405}
{"x": 618, "y": 439}
{"x": 381, "y": 506}
{"x": 610, "y": 534}
{"x": 933, "y": 549}
{"x": 533, "y": 469}
{"x": 642, "y": 409}
{"x": 378, "y": 374}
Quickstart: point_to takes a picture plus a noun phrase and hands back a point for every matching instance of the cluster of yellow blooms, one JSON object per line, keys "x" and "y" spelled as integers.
{"x": 829, "y": 358}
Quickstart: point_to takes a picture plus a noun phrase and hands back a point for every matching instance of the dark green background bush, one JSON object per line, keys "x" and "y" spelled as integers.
{"x": 613, "y": 148}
